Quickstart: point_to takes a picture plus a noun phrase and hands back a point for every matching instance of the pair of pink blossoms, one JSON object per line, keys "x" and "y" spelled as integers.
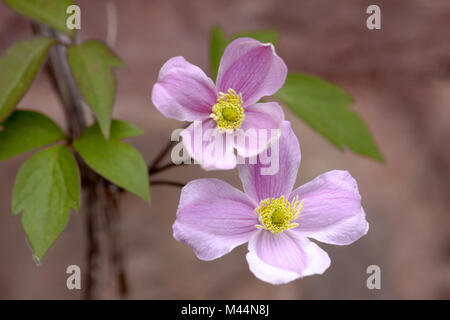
{"x": 274, "y": 218}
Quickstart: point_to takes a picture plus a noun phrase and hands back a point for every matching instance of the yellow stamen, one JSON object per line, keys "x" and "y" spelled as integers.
{"x": 228, "y": 111}
{"x": 277, "y": 214}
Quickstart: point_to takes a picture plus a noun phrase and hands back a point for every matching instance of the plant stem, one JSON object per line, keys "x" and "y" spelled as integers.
{"x": 93, "y": 249}
{"x": 164, "y": 168}
{"x": 160, "y": 156}
{"x": 96, "y": 188}
{"x": 63, "y": 82}
{"x": 153, "y": 167}
{"x": 112, "y": 214}
{"x": 167, "y": 182}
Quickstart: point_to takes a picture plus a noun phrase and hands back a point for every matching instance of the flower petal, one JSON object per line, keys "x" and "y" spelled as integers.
{"x": 213, "y": 218}
{"x": 251, "y": 68}
{"x": 208, "y": 146}
{"x": 262, "y": 125}
{"x": 183, "y": 91}
{"x": 284, "y": 162}
{"x": 332, "y": 211}
{"x": 281, "y": 258}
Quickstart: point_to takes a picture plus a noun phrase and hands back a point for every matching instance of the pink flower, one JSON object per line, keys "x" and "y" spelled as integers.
{"x": 276, "y": 221}
{"x": 249, "y": 70}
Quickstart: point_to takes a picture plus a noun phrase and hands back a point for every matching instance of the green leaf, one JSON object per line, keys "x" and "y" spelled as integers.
{"x": 218, "y": 42}
{"x": 325, "y": 108}
{"x": 114, "y": 160}
{"x": 262, "y": 36}
{"x": 18, "y": 67}
{"x": 121, "y": 130}
{"x": 50, "y": 12}
{"x": 26, "y": 130}
{"x": 91, "y": 65}
{"x": 46, "y": 187}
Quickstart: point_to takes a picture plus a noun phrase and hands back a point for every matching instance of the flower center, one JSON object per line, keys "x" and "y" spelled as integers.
{"x": 228, "y": 111}
{"x": 277, "y": 214}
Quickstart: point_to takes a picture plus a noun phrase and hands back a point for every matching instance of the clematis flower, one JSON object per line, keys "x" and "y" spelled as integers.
{"x": 249, "y": 70}
{"x": 276, "y": 221}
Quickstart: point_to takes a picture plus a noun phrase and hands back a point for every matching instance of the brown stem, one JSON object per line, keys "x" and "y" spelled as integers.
{"x": 152, "y": 168}
{"x": 93, "y": 250}
{"x": 167, "y": 182}
{"x": 112, "y": 215}
{"x": 160, "y": 156}
{"x": 71, "y": 101}
{"x": 63, "y": 82}
{"x": 164, "y": 168}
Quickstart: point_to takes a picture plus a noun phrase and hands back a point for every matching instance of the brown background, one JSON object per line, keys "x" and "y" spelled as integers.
{"x": 399, "y": 77}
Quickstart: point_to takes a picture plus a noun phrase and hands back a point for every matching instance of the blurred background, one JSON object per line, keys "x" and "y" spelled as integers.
{"x": 400, "y": 79}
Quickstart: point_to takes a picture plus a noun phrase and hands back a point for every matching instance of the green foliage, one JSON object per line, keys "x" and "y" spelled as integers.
{"x": 46, "y": 187}
{"x": 18, "y": 67}
{"x": 325, "y": 108}
{"x": 50, "y": 12}
{"x": 115, "y": 160}
{"x": 218, "y": 42}
{"x": 320, "y": 104}
{"x": 262, "y": 36}
{"x": 122, "y": 130}
{"x": 26, "y": 130}
{"x": 91, "y": 65}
